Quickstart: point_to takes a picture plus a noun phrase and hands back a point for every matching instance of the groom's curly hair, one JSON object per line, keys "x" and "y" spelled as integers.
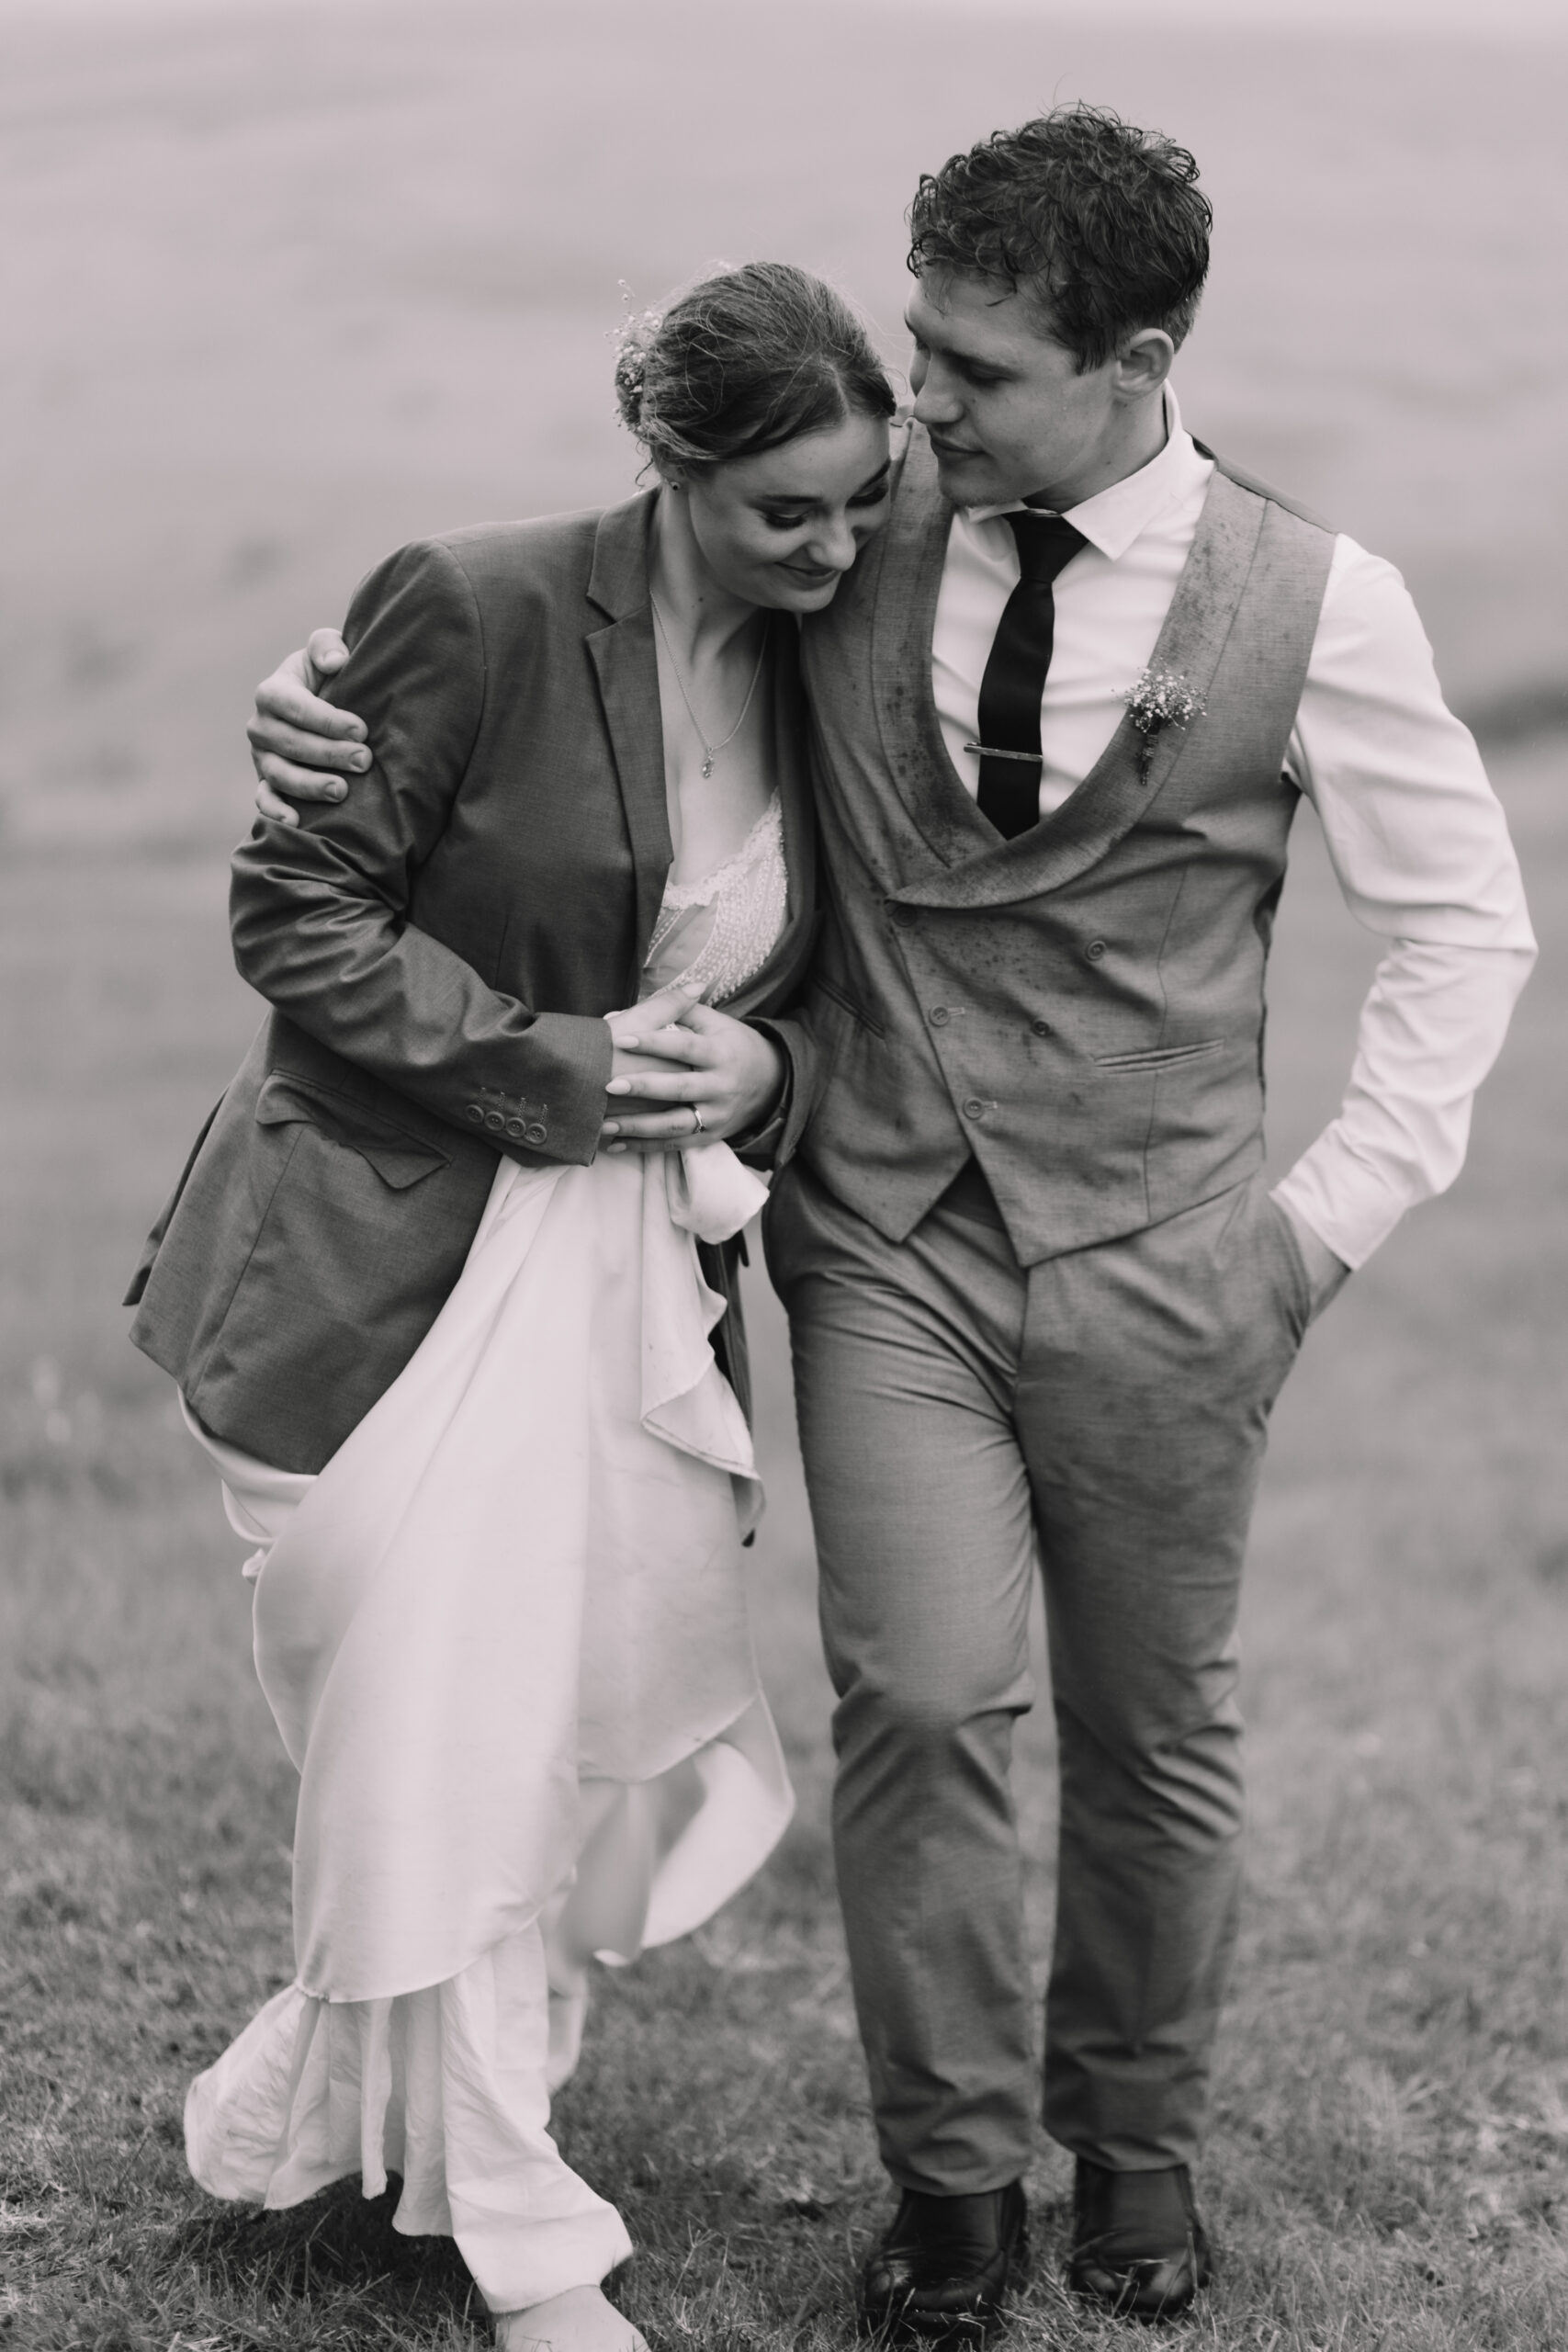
{"x": 1104, "y": 223}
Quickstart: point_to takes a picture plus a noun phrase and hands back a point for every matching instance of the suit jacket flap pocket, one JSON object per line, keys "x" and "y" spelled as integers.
{"x": 399, "y": 1158}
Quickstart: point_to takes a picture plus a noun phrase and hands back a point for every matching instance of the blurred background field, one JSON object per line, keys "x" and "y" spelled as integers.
{"x": 284, "y": 286}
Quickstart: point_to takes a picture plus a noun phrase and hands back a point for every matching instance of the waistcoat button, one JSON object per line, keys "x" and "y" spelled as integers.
{"x": 1094, "y": 951}
{"x": 973, "y": 1108}
{"x": 1040, "y": 1028}
{"x": 899, "y": 916}
{"x": 940, "y": 1016}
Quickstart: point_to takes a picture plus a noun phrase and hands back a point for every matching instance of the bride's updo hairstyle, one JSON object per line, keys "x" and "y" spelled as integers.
{"x": 744, "y": 362}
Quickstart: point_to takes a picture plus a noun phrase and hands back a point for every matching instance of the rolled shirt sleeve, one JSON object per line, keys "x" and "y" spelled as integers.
{"x": 1420, "y": 847}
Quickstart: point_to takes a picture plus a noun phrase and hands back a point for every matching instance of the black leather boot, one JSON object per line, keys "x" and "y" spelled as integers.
{"x": 943, "y": 2268}
{"x": 1138, "y": 2247}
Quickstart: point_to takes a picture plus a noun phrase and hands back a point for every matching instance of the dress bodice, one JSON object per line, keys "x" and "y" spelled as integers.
{"x": 719, "y": 932}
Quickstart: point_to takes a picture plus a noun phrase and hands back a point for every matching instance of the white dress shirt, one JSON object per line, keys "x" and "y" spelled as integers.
{"x": 1415, "y": 833}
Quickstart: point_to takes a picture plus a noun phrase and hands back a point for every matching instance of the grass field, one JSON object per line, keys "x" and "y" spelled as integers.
{"x": 1390, "y": 2157}
{"x": 293, "y": 283}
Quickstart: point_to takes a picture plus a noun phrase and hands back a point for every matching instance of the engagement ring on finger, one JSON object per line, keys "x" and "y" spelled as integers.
{"x": 697, "y": 1120}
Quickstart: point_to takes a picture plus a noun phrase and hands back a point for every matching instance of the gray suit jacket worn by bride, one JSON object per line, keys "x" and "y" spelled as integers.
{"x": 439, "y": 950}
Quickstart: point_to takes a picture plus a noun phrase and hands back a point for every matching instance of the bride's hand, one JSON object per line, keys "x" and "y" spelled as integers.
{"x": 675, "y": 1056}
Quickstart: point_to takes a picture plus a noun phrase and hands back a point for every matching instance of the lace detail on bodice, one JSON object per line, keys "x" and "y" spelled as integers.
{"x": 719, "y": 932}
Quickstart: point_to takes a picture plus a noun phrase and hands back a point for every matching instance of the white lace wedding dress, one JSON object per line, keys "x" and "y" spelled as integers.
{"x": 504, "y": 1637}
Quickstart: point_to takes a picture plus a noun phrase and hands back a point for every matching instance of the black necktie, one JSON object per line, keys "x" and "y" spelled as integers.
{"x": 1015, "y": 675}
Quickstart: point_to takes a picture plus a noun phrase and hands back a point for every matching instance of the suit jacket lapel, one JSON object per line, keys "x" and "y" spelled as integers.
{"x": 626, "y": 665}
{"x": 787, "y": 956}
{"x": 1115, "y": 794}
{"x": 795, "y": 780}
{"x": 913, "y": 553}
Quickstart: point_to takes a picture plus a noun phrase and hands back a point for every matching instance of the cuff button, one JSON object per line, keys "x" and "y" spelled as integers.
{"x": 534, "y": 1133}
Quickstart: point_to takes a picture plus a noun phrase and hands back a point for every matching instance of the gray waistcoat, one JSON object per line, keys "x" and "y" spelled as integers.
{"x": 1081, "y": 1008}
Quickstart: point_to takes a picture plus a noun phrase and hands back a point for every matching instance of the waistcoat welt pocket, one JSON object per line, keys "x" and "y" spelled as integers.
{"x": 399, "y": 1158}
{"x": 1160, "y": 1056}
{"x": 846, "y": 1003}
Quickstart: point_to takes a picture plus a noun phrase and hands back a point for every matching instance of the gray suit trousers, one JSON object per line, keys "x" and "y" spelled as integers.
{"x": 1103, "y": 1413}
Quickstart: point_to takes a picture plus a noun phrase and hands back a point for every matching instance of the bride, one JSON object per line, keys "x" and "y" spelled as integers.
{"x": 450, "y": 1341}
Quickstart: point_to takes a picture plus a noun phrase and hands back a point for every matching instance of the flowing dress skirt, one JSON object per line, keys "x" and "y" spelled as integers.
{"x": 504, "y": 1638}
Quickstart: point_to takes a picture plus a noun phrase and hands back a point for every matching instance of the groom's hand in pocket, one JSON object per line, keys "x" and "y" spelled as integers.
{"x": 675, "y": 1056}
{"x": 1326, "y": 1274}
{"x": 301, "y": 748}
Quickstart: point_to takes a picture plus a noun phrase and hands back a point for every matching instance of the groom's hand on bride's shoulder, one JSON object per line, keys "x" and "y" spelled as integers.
{"x": 301, "y": 748}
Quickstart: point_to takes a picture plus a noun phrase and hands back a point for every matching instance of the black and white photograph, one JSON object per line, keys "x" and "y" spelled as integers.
{"x": 783, "y": 1202}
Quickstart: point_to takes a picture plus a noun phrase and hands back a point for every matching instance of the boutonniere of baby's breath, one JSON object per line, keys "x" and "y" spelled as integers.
{"x": 1160, "y": 699}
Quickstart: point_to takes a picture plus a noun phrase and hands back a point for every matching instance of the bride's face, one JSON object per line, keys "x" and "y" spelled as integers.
{"x": 782, "y": 529}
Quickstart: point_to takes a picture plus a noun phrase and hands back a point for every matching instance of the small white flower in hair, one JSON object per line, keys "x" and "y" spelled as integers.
{"x": 633, "y": 339}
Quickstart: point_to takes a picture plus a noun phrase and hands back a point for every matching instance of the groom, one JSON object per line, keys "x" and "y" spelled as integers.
{"x": 1041, "y": 1300}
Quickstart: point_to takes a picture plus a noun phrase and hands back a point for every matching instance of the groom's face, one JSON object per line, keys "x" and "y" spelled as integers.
{"x": 1008, "y": 412}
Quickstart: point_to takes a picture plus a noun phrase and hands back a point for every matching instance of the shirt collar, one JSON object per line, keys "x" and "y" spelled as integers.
{"x": 1113, "y": 518}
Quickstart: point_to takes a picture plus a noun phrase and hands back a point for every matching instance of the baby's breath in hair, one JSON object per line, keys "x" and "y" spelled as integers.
{"x": 634, "y": 339}
{"x": 740, "y": 363}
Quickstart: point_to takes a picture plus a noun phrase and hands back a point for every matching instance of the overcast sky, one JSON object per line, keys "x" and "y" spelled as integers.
{"x": 1485, "y": 19}
{"x": 1479, "y": 18}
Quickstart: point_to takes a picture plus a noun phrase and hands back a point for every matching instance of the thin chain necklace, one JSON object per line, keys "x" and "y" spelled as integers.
{"x": 710, "y": 751}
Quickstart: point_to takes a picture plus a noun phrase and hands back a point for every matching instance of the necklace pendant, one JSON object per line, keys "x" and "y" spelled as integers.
{"x": 707, "y": 764}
